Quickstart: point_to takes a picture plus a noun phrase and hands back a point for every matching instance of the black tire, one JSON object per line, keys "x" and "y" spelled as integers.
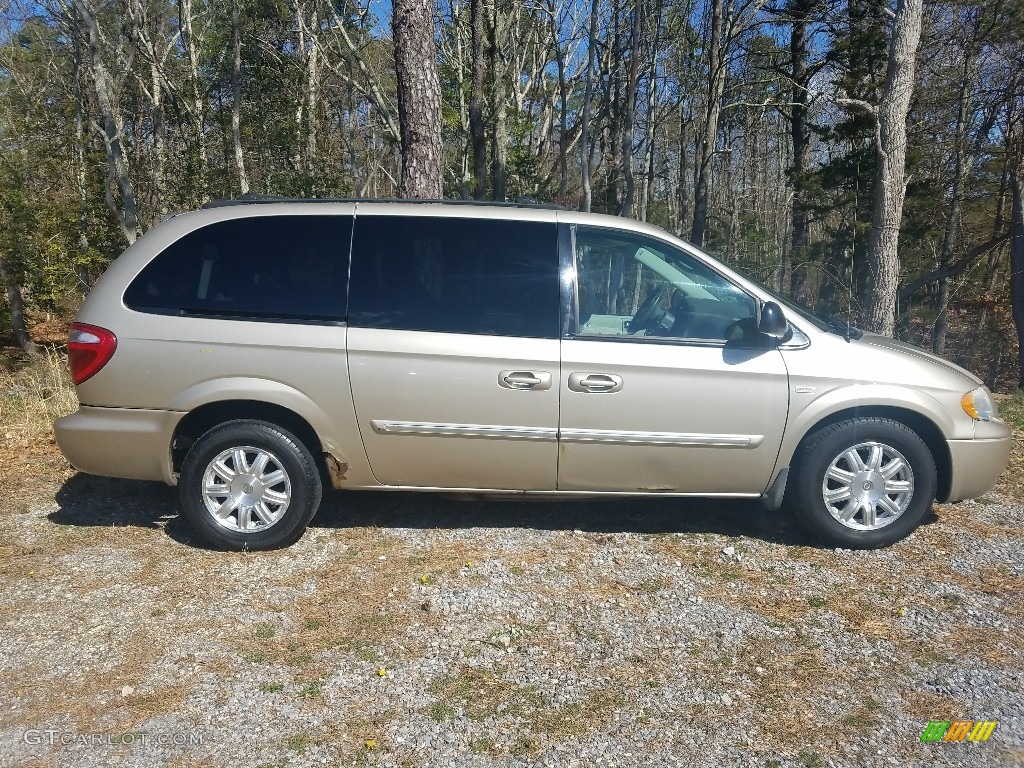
{"x": 887, "y": 452}
{"x": 278, "y": 476}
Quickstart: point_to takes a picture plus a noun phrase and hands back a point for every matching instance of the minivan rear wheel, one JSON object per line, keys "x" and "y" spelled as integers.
{"x": 863, "y": 483}
{"x": 249, "y": 485}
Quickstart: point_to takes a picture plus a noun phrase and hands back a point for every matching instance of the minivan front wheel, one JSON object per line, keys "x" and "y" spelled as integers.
{"x": 863, "y": 483}
{"x": 249, "y": 485}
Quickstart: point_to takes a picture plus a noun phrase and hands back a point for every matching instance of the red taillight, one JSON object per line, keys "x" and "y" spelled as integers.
{"x": 89, "y": 349}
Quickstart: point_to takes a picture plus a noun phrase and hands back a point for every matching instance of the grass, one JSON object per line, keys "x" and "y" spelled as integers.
{"x": 312, "y": 689}
{"x": 1011, "y": 409}
{"x": 32, "y": 397}
{"x": 300, "y": 742}
{"x": 441, "y": 712}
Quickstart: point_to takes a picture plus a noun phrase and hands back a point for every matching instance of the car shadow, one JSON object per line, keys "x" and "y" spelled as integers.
{"x": 88, "y": 500}
{"x": 595, "y": 515}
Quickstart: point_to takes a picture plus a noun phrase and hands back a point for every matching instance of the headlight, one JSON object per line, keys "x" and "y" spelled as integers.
{"x": 978, "y": 405}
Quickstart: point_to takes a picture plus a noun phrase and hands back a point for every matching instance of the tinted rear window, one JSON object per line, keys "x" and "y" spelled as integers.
{"x": 262, "y": 267}
{"x": 455, "y": 276}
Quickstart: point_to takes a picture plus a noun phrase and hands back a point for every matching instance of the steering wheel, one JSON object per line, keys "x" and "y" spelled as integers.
{"x": 643, "y": 317}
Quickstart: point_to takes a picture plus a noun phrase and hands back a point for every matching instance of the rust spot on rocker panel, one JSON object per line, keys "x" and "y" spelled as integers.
{"x": 336, "y": 469}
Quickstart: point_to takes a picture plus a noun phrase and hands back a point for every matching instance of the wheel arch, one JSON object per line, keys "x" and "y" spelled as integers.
{"x": 921, "y": 425}
{"x": 201, "y": 419}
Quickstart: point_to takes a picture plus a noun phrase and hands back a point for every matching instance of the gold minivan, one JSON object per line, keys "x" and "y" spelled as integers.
{"x": 253, "y": 351}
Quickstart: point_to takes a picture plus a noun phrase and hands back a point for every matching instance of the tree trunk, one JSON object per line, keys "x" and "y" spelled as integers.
{"x": 113, "y": 126}
{"x": 82, "y": 270}
{"x": 311, "y": 54}
{"x": 419, "y": 98}
{"x": 159, "y": 141}
{"x": 1017, "y": 267}
{"x": 709, "y": 141}
{"x": 682, "y": 188}
{"x": 499, "y": 150}
{"x": 478, "y": 64}
{"x": 588, "y": 93}
{"x": 236, "y": 98}
{"x": 462, "y": 72}
{"x": 612, "y": 139}
{"x": 17, "y": 311}
{"x": 883, "y": 259}
{"x": 961, "y": 169}
{"x": 197, "y": 106}
{"x": 795, "y": 265}
{"x": 649, "y": 139}
{"x": 1017, "y": 258}
{"x": 629, "y": 110}
{"x": 652, "y": 111}
{"x": 563, "y": 110}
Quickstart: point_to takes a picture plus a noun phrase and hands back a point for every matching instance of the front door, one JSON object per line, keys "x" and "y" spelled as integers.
{"x": 453, "y": 350}
{"x": 665, "y": 386}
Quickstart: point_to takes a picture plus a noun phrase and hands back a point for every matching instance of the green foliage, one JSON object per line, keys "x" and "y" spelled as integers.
{"x": 1011, "y": 409}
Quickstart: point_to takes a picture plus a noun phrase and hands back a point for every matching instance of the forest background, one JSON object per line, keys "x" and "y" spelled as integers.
{"x": 764, "y": 131}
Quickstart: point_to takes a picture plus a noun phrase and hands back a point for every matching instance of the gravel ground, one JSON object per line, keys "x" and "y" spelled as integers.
{"x": 408, "y": 630}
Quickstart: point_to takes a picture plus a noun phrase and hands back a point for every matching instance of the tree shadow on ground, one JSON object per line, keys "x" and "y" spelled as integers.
{"x": 87, "y": 500}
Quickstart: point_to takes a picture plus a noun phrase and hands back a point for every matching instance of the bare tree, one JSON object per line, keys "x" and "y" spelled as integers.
{"x": 195, "y": 102}
{"x": 478, "y": 65}
{"x": 727, "y": 20}
{"x": 419, "y": 98}
{"x": 14, "y": 299}
{"x": 588, "y": 94}
{"x": 236, "y": 97}
{"x": 709, "y": 141}
{"x": 629, "y": 109}
{"x": 883, "y": 258}
{"x": 81, "y": 172}
{"x": 497, "y": 29}
{"x": 113, "y": 128}
{"x": 793, "y": 270}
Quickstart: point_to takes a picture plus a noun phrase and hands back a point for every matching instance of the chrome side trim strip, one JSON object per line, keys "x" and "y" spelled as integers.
{"x": 604, "y": 436}
{"x": 430, "y": 429}
{"x": 660, "y": 438}
{"x": 508, "y": 494}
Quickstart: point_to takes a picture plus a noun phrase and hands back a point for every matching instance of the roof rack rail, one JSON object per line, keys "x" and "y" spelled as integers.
{"x": 250, "y": 198}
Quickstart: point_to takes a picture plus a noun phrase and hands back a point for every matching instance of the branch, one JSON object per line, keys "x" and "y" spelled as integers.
{"x": 951, "y": 270}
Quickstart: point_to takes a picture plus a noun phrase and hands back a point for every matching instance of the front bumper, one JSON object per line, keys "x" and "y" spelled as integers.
{"x": 977, "y": 464}
{"x": 119, "y": 442}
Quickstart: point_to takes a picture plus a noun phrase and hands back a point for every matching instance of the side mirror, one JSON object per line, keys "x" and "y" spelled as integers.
{"x": 773, "y": 322}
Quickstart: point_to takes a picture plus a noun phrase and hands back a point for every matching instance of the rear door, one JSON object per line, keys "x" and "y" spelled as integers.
{"x": 453, "y": 349}
{"x": 665, "y": 385}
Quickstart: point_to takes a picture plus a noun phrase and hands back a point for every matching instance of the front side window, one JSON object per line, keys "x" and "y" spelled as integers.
{"x": 634, "y": 286}
{"x": 259, "y": 268}
{"x": 452, "y": 275}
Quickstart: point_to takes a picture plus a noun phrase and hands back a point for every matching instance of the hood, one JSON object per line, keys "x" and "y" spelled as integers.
{"x": 884, "y": 342}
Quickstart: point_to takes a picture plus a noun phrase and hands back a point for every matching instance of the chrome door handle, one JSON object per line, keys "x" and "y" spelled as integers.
{"x": 594, "y": 382}
{"x": 524, "y": 380}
